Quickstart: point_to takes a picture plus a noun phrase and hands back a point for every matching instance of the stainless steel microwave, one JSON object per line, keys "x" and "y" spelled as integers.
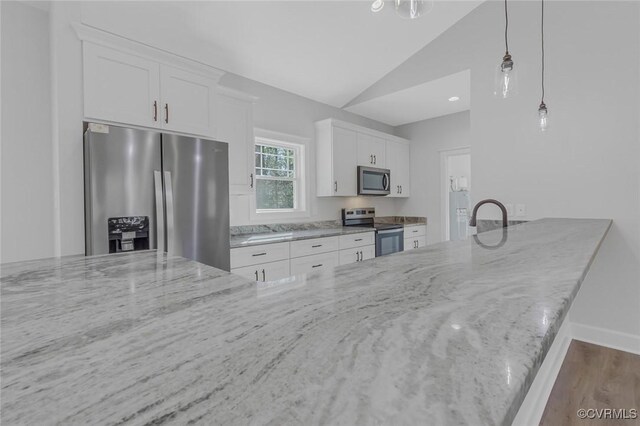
{"x": 373, "y": 181}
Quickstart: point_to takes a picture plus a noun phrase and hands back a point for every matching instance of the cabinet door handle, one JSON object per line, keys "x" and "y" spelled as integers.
{"x": 361, "y": 256}
{"x": 155, "y": 110}
{"x": 258, "y": 254}
{"x": 316, "y": 246}
{"x": 317, "y": 266}
{"x": 335, "y": 186}
{"x": 256, "y": 275}
{"x": 375, "y": 160}
{"x": 264, "y": 276}
{"x": 401, "y": 189}
{"x": 251, "y": 184}
{"x": 357, "y": 256}
{"x": 370, "y": 158}
{"x": 166, "y": 115}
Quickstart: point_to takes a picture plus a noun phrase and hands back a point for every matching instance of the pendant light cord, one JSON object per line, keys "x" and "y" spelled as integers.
{"x": 542, "y": 47}
{"x": 506, "y": 27}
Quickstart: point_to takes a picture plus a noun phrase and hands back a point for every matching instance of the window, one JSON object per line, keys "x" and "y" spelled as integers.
{"x": 278, "y": 177}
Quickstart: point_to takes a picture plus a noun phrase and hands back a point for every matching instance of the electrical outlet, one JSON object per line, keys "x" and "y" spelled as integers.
{"x": 509, "y": 209}
{"x": 521, "y": 210}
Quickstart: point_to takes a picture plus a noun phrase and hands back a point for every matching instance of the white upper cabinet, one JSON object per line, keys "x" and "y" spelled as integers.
{"x": 341, "y": 147}
{"x": 336, "y": 160}
{"x": 120, "y": 87}
{"x": 187, "y": 101}
{"x": 124, "y": 87}
{"x": 398, "y": 160}
{"x": 371, "y": 150}
{"x": 234, "y": 118}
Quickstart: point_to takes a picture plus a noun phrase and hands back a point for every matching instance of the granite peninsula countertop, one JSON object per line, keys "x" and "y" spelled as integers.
{"x": 451, "y": 333}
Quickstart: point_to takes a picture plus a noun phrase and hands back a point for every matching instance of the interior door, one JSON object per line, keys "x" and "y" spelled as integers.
{"x": 187, "y": 102}
{"x": 196, "y": 183}
{"x": 119, "y": 181}
{"x": 344, "y": 162}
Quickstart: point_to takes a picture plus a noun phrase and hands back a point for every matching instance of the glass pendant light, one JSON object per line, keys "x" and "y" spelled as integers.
{"x": 377, "y": 5}
{"x": 543, "y": 113}
{"x": 412, "y": 9}
{"x": 506, "y": 81}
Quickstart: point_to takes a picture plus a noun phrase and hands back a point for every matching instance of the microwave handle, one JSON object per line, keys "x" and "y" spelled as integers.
{"x": 385, "y": 181}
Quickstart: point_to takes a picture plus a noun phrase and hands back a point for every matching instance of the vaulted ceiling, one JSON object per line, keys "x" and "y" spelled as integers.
{"x": 328, "y": 51}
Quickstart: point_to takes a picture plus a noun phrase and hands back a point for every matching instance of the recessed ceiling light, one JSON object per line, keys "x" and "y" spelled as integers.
{"x": 377, "y": 5}
{"x": 454, "y": 98}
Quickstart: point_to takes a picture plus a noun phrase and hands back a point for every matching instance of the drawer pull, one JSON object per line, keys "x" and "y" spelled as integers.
{"x": 358, "y": 239}
{"x": 317, "y": 266}
{"x": 316, "y": 246}
{"x": 415, "y": 230}
{"x": 259, "y": 254}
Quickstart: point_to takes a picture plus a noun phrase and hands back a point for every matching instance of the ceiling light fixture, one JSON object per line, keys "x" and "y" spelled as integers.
{"x": 412, "y": 9}
{"x": 543, "y": 113}
{"x": 454, "y": 99}
{"x": 377, "y": 5}
{"x": 506, "y": 82}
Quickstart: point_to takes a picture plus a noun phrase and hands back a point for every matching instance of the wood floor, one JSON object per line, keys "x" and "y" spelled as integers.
{"x": 594, "y": 377}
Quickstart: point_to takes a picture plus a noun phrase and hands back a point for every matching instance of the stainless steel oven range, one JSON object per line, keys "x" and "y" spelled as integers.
{"x": 389, "y": 236}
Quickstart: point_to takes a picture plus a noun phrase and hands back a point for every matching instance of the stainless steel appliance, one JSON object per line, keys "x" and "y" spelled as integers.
{"x": 459, "y": 210}
{"x": 389, "y": 236}
{"x": 373, "y": 181}
{"x": 149, "y": 190}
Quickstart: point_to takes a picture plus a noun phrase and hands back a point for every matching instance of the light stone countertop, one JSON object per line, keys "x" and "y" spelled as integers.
{"x": 451, "y": 333}
{"x": 247, "y": 240}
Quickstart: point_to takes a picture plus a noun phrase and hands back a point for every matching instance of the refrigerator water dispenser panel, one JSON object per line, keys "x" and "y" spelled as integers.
{"x": 128, "y": 233}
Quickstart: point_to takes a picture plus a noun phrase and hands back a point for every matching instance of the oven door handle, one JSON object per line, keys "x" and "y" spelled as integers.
{"x": 391, "y": 231}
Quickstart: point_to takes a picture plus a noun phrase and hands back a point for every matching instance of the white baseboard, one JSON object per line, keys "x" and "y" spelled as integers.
{"x": 603, "y": 337}
{"x": 532, "y": 407}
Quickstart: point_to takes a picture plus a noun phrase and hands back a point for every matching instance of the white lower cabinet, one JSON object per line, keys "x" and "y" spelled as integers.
{"x": 357, "y": 254}
{"x": 305, "y": 264}
{"x": 414, "y": 243}
{"x": 268, "y": 262}
{"x": 265, "y": 271}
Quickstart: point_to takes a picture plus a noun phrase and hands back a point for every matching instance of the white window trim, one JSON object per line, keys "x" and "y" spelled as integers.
{"x": 303, "y": 210}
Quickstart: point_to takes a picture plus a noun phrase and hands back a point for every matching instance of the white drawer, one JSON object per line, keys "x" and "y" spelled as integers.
{"x": 357, "y": 254}
{"x": 357, "y": 240}
{"x": 264, "y": 253}
{"x": 414, "y": 243}
{"x": 264, "y": 271}
{"x": 415, "y": 231}
{"x": 302, "y": 265}
{"x": 313, "y": 246}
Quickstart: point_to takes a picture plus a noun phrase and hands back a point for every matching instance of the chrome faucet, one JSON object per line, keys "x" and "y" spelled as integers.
{"x": 472, "y": 222}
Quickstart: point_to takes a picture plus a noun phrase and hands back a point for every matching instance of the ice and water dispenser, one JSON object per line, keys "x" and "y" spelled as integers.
{"x": 128, "y": 233}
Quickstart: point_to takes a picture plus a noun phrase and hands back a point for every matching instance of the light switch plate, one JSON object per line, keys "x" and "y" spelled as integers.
{"x": 521, "y": 210}
{"x": 509, "y": 209}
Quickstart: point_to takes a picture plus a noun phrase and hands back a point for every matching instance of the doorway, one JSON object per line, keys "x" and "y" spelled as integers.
{"x": 455, "y": 198}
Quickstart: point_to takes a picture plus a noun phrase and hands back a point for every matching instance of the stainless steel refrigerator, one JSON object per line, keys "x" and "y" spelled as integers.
{"x": 150, "y": 190}
{"x": 459, "y": 211}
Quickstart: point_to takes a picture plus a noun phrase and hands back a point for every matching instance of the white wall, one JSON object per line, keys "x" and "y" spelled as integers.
{"x": 586, "y": 165}
{"x": 27, "y": 223}
{"x": 428, "y": 139}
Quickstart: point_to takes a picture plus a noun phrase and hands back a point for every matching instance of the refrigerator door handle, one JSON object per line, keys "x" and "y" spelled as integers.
{"x": 168, "y": 190}
{"x": 157, "y": 178}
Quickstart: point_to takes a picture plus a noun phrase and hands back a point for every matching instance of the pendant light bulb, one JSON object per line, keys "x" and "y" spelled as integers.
{"x": 506, "y": 84}
{"x": 412, "y": 9}
{"x": 543, "y": 117}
